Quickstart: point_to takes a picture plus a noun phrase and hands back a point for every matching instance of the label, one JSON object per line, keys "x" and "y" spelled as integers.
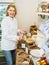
{"x": 26, "y": 50}
{"x": 22, "y": 45}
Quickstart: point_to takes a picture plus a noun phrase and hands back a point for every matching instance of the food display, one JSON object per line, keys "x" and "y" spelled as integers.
{"x": 42, "y": 61}
{"x": 33, "y": 30}
{"x": 48, "y": 7}
{"x": 29, "y": 40}
{"x": 28, "y": 46}
{"x": 43, "y": 7}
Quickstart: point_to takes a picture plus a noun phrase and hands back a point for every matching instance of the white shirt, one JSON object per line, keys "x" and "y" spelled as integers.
{"x": 9, "y": 33}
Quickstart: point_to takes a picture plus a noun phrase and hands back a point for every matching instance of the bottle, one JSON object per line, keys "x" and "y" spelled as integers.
{"x": 39, "y": 7}
{"x": 26, "y": 49}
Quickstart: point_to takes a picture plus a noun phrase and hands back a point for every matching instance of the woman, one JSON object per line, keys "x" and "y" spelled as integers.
{"x": 9, "y": 34}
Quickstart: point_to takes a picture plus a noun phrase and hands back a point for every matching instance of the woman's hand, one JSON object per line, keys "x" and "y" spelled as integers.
{"x": 23, "y": 31}
{"x": 20, "y": 38}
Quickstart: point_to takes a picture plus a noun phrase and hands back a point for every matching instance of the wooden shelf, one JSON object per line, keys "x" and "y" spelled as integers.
{"x": 41, "y": 13}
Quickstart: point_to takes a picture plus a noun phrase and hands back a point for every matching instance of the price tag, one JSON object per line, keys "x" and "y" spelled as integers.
{"x": 22, "y": 45}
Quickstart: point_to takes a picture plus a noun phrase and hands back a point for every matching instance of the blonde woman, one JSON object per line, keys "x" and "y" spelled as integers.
{"x": 9, "y": 34}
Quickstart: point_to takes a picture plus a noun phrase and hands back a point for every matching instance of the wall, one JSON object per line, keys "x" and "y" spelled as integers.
{"x": 6, "y": 0}
{"x": 26, "y": 15}
{"x": 44, "y": 0}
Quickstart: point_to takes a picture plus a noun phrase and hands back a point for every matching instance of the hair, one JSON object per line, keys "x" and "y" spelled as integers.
{"x": 11, "y": 5}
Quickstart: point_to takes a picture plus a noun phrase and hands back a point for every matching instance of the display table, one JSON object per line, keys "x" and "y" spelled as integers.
{"x": 20, "y": 58}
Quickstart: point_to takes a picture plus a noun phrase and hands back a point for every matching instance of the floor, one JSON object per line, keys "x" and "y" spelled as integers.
{"x": 3, "y": 64}
{"x": 2, "y": 61}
